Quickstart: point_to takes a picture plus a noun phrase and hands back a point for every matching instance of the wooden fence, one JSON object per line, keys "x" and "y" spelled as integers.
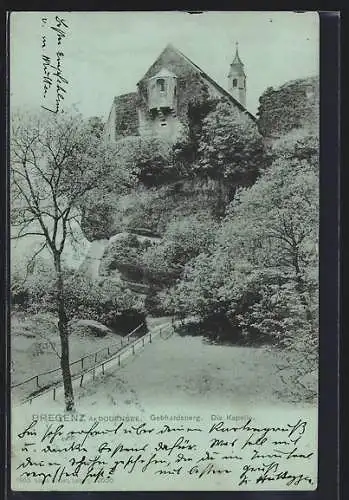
{"x": 98, "y": 364}
{"x": 51, "y": 377}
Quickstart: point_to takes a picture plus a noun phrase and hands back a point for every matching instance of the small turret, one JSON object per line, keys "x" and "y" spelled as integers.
{"x": 237, "y": 79}
{"x": 162, "y": 91}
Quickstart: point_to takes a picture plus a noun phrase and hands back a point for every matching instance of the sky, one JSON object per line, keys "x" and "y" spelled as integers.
{"x": 107, "y": 53}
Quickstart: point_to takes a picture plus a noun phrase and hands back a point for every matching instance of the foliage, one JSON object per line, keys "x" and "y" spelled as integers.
{"x": 185, "y": 151}
{"x": 298, "y": 144}
{"x": 31, "y": 283}
{"x": 198, "y": 293}
{"x": 183, "y": 240}
{"x": 230, "y": 147}
{"x": 95, "y": 126}
{"x": 38, "y": 285}
{"x": 147, "y": 159}
{"x": 98, "y": 218}
{"x": 261, "y": 272}
{"x": 104, "y": 301}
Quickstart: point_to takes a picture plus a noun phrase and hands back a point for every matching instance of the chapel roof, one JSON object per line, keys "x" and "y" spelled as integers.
{"x": 183, "y": 66}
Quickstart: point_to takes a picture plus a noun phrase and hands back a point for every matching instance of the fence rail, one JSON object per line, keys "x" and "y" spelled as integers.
{"x": 97, "y": 366}
{"x": 82, "y": 362}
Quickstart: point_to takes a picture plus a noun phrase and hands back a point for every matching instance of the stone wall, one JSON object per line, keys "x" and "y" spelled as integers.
{"x": 126, "y": 117}
{"x": 165, "y": 126}
{"x": 109, "y": 127}
{"x": 294, "y": 105}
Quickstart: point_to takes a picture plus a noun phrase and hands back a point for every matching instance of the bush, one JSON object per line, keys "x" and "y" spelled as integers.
{"x": 108, "y": 301}
{"x": 183, "y": 240}
{"x": 39, "y": 287}
{"x": 148, "y": 159}
{"x": 230, "y": 147}
{"x": 153, "y": 304}
{"x": 105, "y": 301}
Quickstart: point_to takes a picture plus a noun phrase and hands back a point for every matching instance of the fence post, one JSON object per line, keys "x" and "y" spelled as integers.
{"x": 54, "y": 394}
{"x": 108, "y": 351}
{"x": 143, "y": 341}
{"x": 119, "y": 360}
{"x": 96, "y": 357}
{"x": 121, "y": 341}
{"x": 37, "y": 381}
{"x": 94, "y": 373}
{"x": 81, "y": 379}
{"x": 82, "y": 363}
{"x": 149, "y": 337}
{"x": 133, "y": 348}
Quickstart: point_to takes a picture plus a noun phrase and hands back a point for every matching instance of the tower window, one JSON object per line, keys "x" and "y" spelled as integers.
{"x": 235, "y": 82}
{"x": 161, "y": 84}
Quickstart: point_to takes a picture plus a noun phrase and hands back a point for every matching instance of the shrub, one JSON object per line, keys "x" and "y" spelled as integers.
{"x": 105, "y": 301}
{"x": 148, "y": 159}
{"x": 183, "y": 240}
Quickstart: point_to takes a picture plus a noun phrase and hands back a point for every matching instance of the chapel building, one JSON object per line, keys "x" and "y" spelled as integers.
{"x": 160, "y": 104}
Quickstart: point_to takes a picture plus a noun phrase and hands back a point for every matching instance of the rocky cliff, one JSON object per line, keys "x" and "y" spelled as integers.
{"x": 150, "y": 210}
{"x": 121, "y": 228}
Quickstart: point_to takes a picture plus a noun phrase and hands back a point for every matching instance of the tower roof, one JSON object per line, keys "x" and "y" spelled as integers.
{"x": 237, "y": 59}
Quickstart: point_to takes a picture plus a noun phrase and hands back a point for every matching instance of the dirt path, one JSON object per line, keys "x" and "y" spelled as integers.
{"x": 179, "y": 371}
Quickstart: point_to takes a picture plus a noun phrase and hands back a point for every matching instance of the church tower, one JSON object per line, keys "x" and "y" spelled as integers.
{"x": 237, "y": 79}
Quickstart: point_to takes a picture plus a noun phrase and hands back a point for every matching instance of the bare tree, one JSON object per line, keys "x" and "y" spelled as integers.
{"x": 56, "y": 162}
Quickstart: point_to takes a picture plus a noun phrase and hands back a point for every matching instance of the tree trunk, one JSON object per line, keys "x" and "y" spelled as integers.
{"x": 63, "y": 334}
{"x": 301, "y": 286}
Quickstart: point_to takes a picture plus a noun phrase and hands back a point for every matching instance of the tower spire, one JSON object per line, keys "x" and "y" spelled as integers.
{"x": 237, "y": 78}
{"x": 237, "y": 59}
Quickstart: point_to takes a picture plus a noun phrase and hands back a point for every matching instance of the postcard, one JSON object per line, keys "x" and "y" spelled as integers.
{"x": 164, "y": 185}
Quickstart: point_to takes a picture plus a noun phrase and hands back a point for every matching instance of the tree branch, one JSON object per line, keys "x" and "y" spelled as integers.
{"x": 31, "y": 262}
{"x": 53, "y": 347}
{"x": 23, "y": 235}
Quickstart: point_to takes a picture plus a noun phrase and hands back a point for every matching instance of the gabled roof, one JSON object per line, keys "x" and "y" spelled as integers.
{"x": 186, "y": 65}
{"x": 218, "y": 87}
{"x": 125, "y": 97}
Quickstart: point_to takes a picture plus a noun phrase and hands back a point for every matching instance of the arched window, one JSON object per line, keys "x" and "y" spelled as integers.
{"x": 235, "y": 82}
{"x": 161, "y": 84}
